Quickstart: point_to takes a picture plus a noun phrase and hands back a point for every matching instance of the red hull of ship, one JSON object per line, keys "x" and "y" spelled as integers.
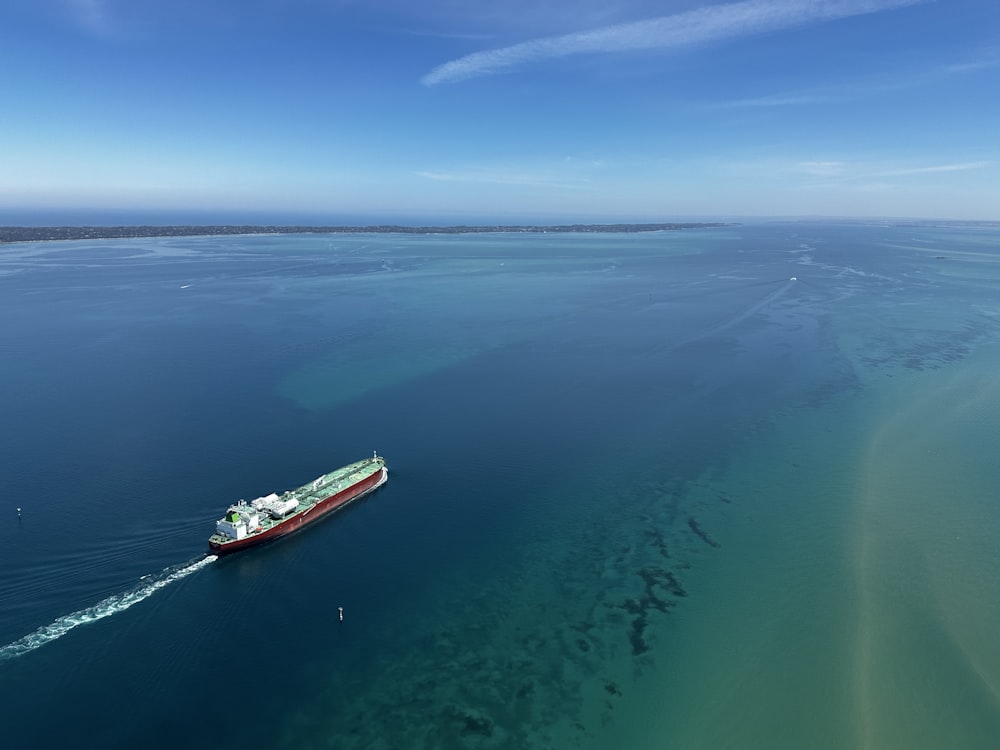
{"x": 296, "y": 522}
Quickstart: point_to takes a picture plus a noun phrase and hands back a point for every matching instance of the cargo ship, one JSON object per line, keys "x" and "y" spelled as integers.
{"x": 273, "y": 516}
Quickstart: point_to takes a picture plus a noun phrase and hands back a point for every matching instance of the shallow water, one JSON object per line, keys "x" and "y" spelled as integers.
{"x": 645, "y": 489}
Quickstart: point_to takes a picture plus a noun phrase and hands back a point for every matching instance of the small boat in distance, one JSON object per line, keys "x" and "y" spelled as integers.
{"x": 272, "y": 516}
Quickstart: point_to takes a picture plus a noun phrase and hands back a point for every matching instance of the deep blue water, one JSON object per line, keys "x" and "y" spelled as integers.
{"x": 560, "y": 415}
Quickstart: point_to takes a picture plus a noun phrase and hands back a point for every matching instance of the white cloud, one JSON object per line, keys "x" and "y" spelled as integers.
{"x": 506, "y": 177}
{"x": 960, "y": 167}
{"x": 822, "y": 168}
{"x": 692, "y": 27}
{"x": 868, "y": 177}
{"x": 990, "y": 59}
{"x": 93, "y": 15}
{"x": 781, "y": 100}
{"x": 872, "y": 85}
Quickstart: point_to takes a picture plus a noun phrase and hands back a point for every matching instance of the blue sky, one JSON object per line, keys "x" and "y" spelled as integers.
{"x": 502, "y": 110}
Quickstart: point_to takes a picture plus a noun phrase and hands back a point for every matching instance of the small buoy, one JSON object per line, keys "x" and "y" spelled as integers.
{"x": 340, "y": 611}
{"x": 18, "y": 512}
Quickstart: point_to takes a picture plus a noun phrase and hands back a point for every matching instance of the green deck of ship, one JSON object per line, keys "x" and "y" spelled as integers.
{"x": 312, "y": 492}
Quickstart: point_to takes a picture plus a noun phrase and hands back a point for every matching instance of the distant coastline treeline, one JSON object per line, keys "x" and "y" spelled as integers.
{"x": 37, "y": 234}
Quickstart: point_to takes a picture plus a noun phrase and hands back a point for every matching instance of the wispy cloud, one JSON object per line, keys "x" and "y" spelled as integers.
{"x": 960, "y": 167}
{"x": 868, "y": 86}
{"x": 506, "y": 177}
{"x": 989, "y": 59}
{"x": 93, "y": 15}
{"x": 692, "y": 27}
{"x": 862, "y": 175}
{"x": 780, "y": 100}
{"x": 822, "y": 168}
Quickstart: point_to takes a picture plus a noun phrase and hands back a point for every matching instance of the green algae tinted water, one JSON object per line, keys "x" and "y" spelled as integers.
{"x": 721, "y": 488}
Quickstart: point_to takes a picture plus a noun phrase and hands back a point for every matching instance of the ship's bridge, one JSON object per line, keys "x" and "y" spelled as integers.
{"x": 240, "y": 520}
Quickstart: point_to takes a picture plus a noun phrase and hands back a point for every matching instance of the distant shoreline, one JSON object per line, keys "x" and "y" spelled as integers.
{"x": 42, "y": 234}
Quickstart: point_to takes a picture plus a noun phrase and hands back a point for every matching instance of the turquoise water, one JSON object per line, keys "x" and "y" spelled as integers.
{"x": 721, "y": 488}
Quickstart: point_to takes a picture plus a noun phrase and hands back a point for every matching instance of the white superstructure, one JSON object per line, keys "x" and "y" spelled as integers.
{"x": 241, "y": 519}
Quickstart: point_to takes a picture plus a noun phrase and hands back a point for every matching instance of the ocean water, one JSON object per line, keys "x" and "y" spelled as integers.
{"x": 725, "y": 488}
